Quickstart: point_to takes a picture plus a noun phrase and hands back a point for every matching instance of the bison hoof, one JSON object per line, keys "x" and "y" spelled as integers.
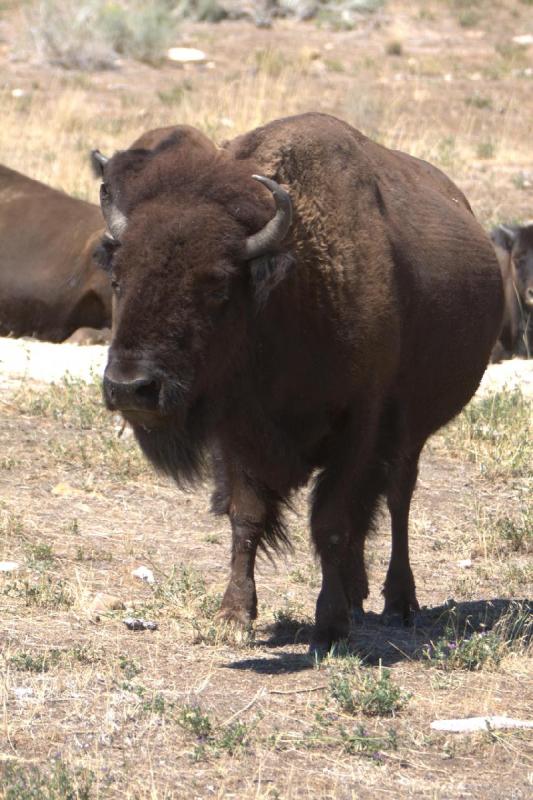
{"x": 320, "y": 648}
{"x": 358, "y": 615}
{"x": 399, "y": 618}
{"x": 327, "y": 638}
{"x": 234, "y": 626}
{"x": 393, "y": 619}
{"x": 238, "y": 617}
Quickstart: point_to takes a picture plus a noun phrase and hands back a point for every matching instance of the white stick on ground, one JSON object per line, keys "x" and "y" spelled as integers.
{"x": 479, "y": 724}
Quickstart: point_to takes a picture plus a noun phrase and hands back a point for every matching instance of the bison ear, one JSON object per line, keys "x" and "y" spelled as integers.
{"x": 267, "y": 272}
{"x": 98, "y": 162}
{"x": 504, "y": 236}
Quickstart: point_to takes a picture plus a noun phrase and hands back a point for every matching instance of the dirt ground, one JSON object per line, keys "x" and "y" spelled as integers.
{"x": 79, "y": 511}
{"x": 90, "y": 709}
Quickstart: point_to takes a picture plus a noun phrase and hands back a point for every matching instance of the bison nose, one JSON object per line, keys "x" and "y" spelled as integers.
{"x": 138, "y": 392}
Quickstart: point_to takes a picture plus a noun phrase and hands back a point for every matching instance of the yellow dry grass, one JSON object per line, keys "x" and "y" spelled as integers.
{"x": 478, "y": 131}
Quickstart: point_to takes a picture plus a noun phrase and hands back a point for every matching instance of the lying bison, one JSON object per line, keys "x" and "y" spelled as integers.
{"x": 514, "y": 248}
{"x": 325, "y": 319}
{"x": 49, "y": 283}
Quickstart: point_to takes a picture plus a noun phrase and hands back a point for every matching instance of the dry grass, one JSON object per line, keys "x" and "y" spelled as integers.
{"x": 92, "y": 710}
{"x": 191, "y": 706}
{"x": 435, "y": 103}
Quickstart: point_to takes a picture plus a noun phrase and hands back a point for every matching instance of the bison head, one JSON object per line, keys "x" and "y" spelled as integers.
{"x": 192, "y": 249}
{"x": 518, "y": 241}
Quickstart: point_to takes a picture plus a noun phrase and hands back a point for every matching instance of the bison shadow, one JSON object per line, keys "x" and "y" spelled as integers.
{"x": 375, "y": 642}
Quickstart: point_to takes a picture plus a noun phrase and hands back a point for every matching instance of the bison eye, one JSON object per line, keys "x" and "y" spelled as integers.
{"x": 104, "y": 252}
{"x": 104, "y": 192}
{"x": 220, "y": 296}
{"x": 115, "y": 285}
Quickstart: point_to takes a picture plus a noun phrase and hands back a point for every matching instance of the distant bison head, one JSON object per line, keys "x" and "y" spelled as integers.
{"x": 517, "y": 240}
{"x": 192, "y": 249}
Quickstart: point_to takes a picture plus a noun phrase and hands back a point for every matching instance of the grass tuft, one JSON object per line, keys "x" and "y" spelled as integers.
{"x": 495, "y": 433}
{"x": 27, "y": 662}
{"x": 475, "y": 650}
{"x": 195, "y": 722}
{"x": 359, "y": 742}
{"x": 363, "y": 692}
{"x": 19, "y": 782}
{"x": 45, "y": 592}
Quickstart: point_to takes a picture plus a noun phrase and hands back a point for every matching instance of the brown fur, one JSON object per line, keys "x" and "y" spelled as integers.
{"x": 49, "y": 283}
{"x": 341, "y": 352}
{"x": 177, "y": 135}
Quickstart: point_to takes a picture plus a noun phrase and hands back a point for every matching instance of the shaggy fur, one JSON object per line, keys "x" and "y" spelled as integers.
{"x": 367, "y": 329}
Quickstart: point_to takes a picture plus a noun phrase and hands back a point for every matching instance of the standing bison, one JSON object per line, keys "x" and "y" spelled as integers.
{"x": 323, "y": 320}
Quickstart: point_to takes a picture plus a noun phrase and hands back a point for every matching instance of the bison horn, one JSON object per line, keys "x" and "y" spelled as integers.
{"x": 265, "y": 240}
{"x": 98, "y": 162}
{"x": 98, "y": 156}
{"x": 510, "y": 232}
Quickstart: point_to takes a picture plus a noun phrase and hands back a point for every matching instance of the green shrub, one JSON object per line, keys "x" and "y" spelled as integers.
{"x": 469, "y": 653}
{"x": 31, "y": 783}
{"x": 365, "y": 693}
{"x": 26, "y": 662}
{"x": 473, "y": 650}
{"x": 92, "y": 33}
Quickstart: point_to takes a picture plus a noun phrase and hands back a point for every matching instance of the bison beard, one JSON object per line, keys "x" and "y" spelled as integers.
{"x": 358, "y": 321}
{"x": 176, "y": 450}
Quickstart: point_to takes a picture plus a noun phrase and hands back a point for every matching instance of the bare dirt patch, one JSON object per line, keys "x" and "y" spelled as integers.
{"x": 194, "y": 710}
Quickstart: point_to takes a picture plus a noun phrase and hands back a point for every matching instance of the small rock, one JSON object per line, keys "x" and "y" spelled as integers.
{"x": 23, "y": 692}
{"x": 137, "y": 624}
{"x": 66, "y": 490}
{"x": 524, "y": 39}
{"x": 309, "y": 53}
{"x": 465, "y": 563}
{"x": 9, "y": 566}
{"x": 17, "y": 93}
{"x": 144, "y": 574}
{"x": 186, "y": 55}
{"x": 104, "y": 603}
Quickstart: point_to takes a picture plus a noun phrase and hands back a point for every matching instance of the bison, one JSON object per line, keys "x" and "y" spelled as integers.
{"x": 514, "y": 248}
{"x": 50, "y": 286}
{"x": 301, "y": 304}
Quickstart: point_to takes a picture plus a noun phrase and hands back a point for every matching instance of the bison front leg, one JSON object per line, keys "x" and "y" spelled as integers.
{"x": 247, "y": 513}
{"x": 239, "y": 604}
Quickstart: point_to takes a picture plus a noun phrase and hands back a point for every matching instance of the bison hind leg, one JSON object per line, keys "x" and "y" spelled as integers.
{"x": 339, "y": 526}
{"x": 399, "y": 589}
